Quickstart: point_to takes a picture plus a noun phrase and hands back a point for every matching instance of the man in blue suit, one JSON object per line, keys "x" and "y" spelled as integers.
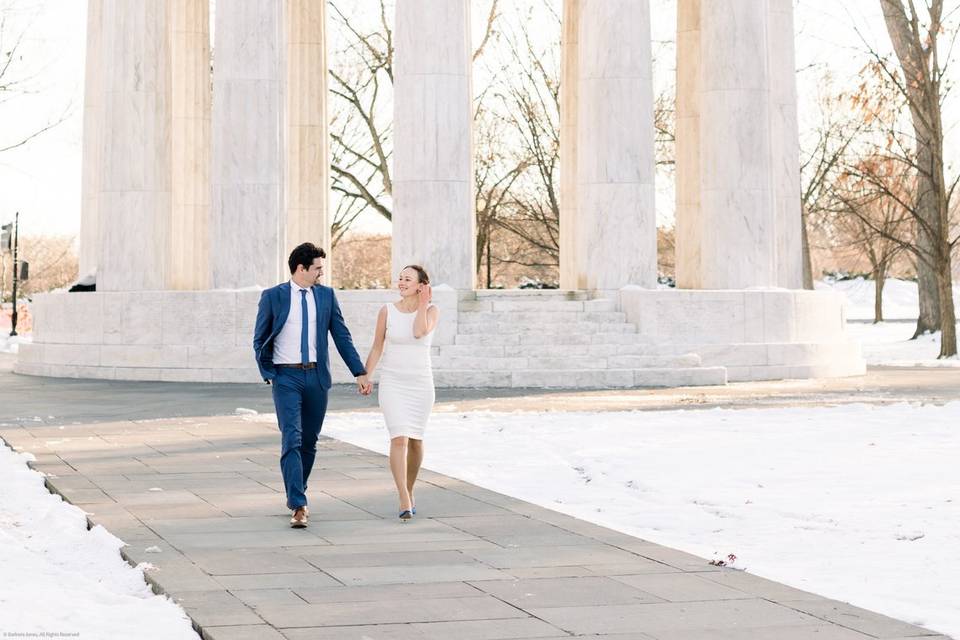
{"x": 290, "y": 343}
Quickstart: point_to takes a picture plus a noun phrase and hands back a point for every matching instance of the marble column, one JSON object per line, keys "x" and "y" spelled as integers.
{"x": 689, "y": 266}
{"x": 737, "y": 146}
{"x": 307, "y": 156}
{"x": 92, "y": 141}
{"x": 189, "y": 242}
{"x": 433, "y": 184}
{"x": 785, "y": 144}
{"x": 616, "y": 241}
{"x": 135, "y": 189}
{"x": 570, "y": 248}
{"x": 246, "y": 226}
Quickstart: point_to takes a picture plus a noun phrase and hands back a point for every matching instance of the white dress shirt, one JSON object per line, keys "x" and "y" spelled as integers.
{"x": 286, "y": 347}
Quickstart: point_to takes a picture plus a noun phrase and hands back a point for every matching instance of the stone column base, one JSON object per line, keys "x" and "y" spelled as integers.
{"x": 180, "y": 336}
{"x": 757, "y": 334}
{"x": 558, "y": 339}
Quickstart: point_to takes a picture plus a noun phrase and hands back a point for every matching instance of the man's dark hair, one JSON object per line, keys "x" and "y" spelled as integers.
{"x": 305, "y": 254}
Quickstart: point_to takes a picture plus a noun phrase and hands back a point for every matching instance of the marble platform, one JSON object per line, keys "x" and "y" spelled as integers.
{"x": 554, "y": 339}
{"x": 756, "y": 334}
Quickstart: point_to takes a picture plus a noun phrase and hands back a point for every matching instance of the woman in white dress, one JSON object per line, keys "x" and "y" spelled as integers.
{"x": 403, "y": 337}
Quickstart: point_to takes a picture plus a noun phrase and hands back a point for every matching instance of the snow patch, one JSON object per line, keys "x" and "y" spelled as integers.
{"x": 889, "y": 344}
{"x": 900, "y": 297}
{"x": 11, "y": 344}
{"x": 69, "y": 579}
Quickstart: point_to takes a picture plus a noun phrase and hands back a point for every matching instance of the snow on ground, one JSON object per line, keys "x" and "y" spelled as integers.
{"x": 857, "y": 503}
{"x": 889, "y": 344}
{"x": 60, "y": 579}
{"x": 900, "y": 298}
{"x": 11, "y": 344}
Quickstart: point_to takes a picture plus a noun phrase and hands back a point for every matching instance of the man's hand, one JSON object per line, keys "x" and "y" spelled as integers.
{"x": 364, "y": 386}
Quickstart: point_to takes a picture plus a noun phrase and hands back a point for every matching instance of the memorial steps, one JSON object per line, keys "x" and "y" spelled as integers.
{"x": 558, "y": 339}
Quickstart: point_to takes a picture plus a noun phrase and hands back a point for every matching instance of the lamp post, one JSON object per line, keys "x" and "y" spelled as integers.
{"x": 16, "y": 272}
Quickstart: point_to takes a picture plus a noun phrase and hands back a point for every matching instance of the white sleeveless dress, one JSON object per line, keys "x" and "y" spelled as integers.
{"x": 406, "y": 392}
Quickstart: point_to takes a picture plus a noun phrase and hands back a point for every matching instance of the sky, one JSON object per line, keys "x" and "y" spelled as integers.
{"x": 42, "y": 178}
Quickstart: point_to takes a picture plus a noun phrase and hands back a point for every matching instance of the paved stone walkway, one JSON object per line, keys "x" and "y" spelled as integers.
{"x": 30, "y": 400}
{"x": 472, "y": 565}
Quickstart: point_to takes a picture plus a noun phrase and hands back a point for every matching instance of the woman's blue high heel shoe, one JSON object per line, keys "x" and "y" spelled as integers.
{"x": 406, "y": 515}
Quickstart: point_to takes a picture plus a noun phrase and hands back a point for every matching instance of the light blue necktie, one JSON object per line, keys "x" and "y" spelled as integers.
{"x": 304, "y": 328}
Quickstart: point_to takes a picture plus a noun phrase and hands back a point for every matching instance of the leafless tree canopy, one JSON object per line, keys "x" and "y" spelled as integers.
{"x": 361, "y": 82}
{"x": 923, "y": 41}
{"x": 16, "y": 81}
{"x": 53, "y": 265}
{"x": 516, "y": 132}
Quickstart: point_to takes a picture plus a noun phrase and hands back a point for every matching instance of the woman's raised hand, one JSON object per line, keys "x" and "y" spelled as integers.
{"x": 426, "y": 295}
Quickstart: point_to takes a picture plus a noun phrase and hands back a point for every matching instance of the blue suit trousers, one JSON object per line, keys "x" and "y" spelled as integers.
{"x": 301, "y": 403}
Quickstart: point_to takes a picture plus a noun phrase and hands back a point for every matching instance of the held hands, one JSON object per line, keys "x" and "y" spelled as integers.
{"x": 364, "y": 386}
{"x": 425, "y": 295}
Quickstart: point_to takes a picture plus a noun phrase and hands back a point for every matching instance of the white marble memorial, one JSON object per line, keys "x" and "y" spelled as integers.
{"x": 570, "y": 246}
{"x": 175, "y": 197}
{"x": 190, "y": 239}
{"x": 785, "y": 144}
{"x": 738, "y": 216}
{"x": 135, "y": 174}
{"x": 614, "y": 227}
{"x": 308, "y": 164}
{"x": 434, "y": 219}
{"x": 92, "y": 149}
{"x": 246, "y": 230}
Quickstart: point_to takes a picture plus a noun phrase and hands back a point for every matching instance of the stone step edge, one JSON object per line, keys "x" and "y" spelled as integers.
{"x": 580, "y": 379}
{"x": 670, "y": 361}
{"x": 587, "y": 373}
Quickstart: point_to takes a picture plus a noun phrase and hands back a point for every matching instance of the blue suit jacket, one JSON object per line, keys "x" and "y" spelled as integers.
{"x": 272, "y": 314}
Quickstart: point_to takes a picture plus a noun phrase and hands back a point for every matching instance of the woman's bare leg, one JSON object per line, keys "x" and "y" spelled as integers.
{"x": 414, "y": 459}
{"x": 398, "y": 466}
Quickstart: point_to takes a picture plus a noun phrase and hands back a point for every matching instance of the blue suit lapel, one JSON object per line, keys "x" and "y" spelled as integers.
{"x": 284, "y": 309}
{"x": 320, "y": 310}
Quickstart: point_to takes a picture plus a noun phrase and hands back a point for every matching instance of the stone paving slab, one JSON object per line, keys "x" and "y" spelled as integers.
{"x": 472, "y": 565}
{"x": 30, "y": 400}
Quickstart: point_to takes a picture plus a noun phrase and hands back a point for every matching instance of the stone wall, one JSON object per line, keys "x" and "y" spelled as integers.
{"x": 203, "y": 336}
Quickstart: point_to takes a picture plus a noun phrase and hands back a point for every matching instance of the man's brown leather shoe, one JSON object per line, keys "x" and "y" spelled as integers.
{"x": 299, "y": 519}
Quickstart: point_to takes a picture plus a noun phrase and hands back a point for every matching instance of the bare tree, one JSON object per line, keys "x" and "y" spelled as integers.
{"x": 525, "y": 98}
{"x": 820, "y": 169}
{"x": 15, "y": 81}
{"x": 870, "y": 221}
{"x": 516, "y": 134}
{"x": 664, "y": 110}
{"x": 494, "y": 175}
{"x": 361, "y": 122}
{"x": 363, "y": 262}
{"x": 53, "y": 265}
{"x": 918, "y": 41}
{"x": 361, "y": 131}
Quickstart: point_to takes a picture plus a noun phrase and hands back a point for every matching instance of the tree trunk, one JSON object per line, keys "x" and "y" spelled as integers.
{"x": 928, "y": 230}
{"x": 807, "y": 260}
{"x": 922, "y": 90}
{"x": 927, "y": 288}
{"x": 948, "y": 316}
{"x": 482, "y": 230}
{"x": 489, "y": 267}
{"x": 879, "y": 279}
